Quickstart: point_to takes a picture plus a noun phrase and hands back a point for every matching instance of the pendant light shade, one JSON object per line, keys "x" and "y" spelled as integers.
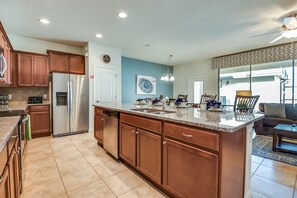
{"x": 168, "y": 76}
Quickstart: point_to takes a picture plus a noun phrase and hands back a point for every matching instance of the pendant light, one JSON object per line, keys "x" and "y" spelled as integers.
{"x": 168, "y": 76}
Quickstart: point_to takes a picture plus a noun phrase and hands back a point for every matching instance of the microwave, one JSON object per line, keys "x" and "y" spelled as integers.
{"x": 3, "y": 66}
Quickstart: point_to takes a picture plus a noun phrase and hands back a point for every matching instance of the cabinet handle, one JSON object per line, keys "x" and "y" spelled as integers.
{"x": 102, "y": 119}
{"x": 133, "y": 131}
{"x": 186, "y": 135}
{"x": 164, "y": 142}
{"x": 1, "y": 178}
{"x": 137, "y": 132}
{"x": 14, "y": 136}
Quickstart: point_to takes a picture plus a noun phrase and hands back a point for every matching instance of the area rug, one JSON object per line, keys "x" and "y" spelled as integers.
{"x": 262, "y": 146}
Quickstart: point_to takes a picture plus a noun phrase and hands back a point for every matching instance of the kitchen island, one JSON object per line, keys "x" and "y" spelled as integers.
{"x": 186, "y": 152}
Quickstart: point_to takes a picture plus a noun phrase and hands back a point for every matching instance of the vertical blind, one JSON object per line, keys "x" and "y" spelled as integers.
{"x": 257, "y": 56}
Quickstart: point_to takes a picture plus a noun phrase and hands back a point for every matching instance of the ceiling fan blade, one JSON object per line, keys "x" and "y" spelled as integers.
{"x": 276, "y": 39}
{"x": 266, "y": 34}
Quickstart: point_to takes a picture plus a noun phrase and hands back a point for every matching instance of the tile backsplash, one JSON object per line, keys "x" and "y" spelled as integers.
{"x": 21, "y": 94}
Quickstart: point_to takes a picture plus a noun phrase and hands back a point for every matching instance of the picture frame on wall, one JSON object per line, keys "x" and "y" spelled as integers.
{"x": 146, "y": 85}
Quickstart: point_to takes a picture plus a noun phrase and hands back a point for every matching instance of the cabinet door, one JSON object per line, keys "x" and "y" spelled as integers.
{"x": 39, "y": 122}
{"x": 98, "y": 128}
{"x": 13, "y": 174}
{"x": 4, "y": 184}
{"x": 58, "y": 62}
{"x": 189, "y": 171}
{"x": 40, "y": 71}
{"x": 128, "y": 144}
{"x": 76, "y": 64}
{"x": 149, "y": 154}
{"x": 25, "y": 70}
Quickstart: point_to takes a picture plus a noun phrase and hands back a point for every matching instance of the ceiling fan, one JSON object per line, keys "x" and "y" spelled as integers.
{"x": 289, "y": 29}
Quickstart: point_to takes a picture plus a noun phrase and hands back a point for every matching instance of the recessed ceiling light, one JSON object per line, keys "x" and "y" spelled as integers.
{"x": 122, "y": 15}
{"x": 147, "y": 45}
{"x": 99, "y": 35}
{"x": 45, "y": 21}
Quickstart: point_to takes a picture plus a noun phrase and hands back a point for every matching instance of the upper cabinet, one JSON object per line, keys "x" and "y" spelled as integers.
{"x": 5, "y": 49}
{"x": 66, "y": 62}
{"x": 32, "y": 70}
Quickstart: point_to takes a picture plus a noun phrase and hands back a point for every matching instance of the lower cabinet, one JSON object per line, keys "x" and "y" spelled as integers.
{"x": 40, "y": 120}
{"x": 4, "y": 184}
{"x": 149, "y": 154}
{"x": 128, "y": 144}
{"x": 141, "y": 149}
{"x": 14, "y": 177}
{"x": 189, "y": 171}
{"x": 98, "y": 125}
{"x": 10, "y": 168}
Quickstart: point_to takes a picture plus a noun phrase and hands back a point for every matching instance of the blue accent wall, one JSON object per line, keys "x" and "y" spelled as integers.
{"x": 132, "y": 67}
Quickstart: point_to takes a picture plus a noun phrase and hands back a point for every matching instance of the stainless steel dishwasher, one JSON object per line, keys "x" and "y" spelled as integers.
{"x": 110, "y": 132}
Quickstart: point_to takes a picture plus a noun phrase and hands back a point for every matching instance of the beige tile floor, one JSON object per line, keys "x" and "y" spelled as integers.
{"x": 75, "y": 166}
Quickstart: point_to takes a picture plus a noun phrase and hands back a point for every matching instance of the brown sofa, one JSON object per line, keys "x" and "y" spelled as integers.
{"x": 265, "y": 126}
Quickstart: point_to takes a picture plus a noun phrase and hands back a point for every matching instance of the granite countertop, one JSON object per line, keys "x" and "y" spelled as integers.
{"x": 7, "y": 126}
{"x": 226, "y": 121}
{"x": 22, "y": 105}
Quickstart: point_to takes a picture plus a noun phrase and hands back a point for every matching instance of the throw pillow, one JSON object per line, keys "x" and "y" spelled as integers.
{"x": 275, "y": 110}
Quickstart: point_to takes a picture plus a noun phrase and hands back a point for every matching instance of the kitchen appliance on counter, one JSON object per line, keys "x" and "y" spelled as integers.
{"x": 70, "y": 103}
{"x": 110, "y": 132}
{"x": 34, "y": 100}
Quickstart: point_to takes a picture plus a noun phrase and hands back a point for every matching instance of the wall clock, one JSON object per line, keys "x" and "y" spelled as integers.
{"x": 106, "y": 58}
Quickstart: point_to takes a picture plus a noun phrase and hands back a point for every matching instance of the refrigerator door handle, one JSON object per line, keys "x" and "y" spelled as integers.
{"x": 68, "y": 97}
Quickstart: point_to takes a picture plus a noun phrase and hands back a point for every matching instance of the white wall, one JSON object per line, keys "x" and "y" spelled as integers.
{"x": 202, "y": 70}
{"x": 40, "y": 46}
{"x": 96, "y": 53}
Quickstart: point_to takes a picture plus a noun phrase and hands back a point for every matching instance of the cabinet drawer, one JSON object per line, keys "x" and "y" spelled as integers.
{"x": 144, "y": 123}
{"x": 198, "y": 137}
{"x": 3, "y": 159}
{"x": 98, "y": 111}
{"x": 39, "y": 108}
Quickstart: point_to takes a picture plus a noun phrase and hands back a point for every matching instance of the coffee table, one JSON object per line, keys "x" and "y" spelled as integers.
{"x": 284, "y": 130}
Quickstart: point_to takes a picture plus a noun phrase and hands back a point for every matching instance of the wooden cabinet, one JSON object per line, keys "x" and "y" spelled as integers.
{"x": 40, "y": 71}
{"x": 40, "y": 120}
{"x": 10, "y": 170}
{"x": 139, "y": 147}
{"x": 128, "y": 144}
{"x": 98, "y": 125}
{"x": 66, "y": 62}
{"x": 76, "y": 64}
{"x": 5, "y": 48}
{"x": 14, "y": 177}
{"x": 149, "y": 154}
{"x": 25, "y": 70}
{"x": 189, "y": 171}
{"x": 32, "y": 70}
{"x": 4, "y": 184}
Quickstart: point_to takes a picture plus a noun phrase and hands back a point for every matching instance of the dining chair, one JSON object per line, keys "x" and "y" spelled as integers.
{"x": 245, "y": 104}
{"x": 184, "y": 97}
{"x": 205, "y": 98}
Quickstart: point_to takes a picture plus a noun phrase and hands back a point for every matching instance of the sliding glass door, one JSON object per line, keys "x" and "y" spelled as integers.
{"x": 231, "y": 80}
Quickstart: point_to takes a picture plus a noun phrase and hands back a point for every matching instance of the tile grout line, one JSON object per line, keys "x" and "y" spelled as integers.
{"x": 58, "y": 169}
{"x": 93, "y": 168}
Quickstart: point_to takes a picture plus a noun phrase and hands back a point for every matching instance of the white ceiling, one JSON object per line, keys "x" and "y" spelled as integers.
{"x": 191, "y": 30}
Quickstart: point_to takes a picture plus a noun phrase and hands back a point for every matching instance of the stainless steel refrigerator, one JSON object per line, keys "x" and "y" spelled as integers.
{"x": 70, "y": 101}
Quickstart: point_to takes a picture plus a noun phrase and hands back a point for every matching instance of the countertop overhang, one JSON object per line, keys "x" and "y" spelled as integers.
{"x": 225, "y": 121}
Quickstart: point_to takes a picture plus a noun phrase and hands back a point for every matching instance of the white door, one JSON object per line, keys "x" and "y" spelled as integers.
{"x": 196, "y": 89}
{"x": 105, "y": 86}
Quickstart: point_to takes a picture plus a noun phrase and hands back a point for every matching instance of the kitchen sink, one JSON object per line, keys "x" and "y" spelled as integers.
{"x": 153, "y": 111}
